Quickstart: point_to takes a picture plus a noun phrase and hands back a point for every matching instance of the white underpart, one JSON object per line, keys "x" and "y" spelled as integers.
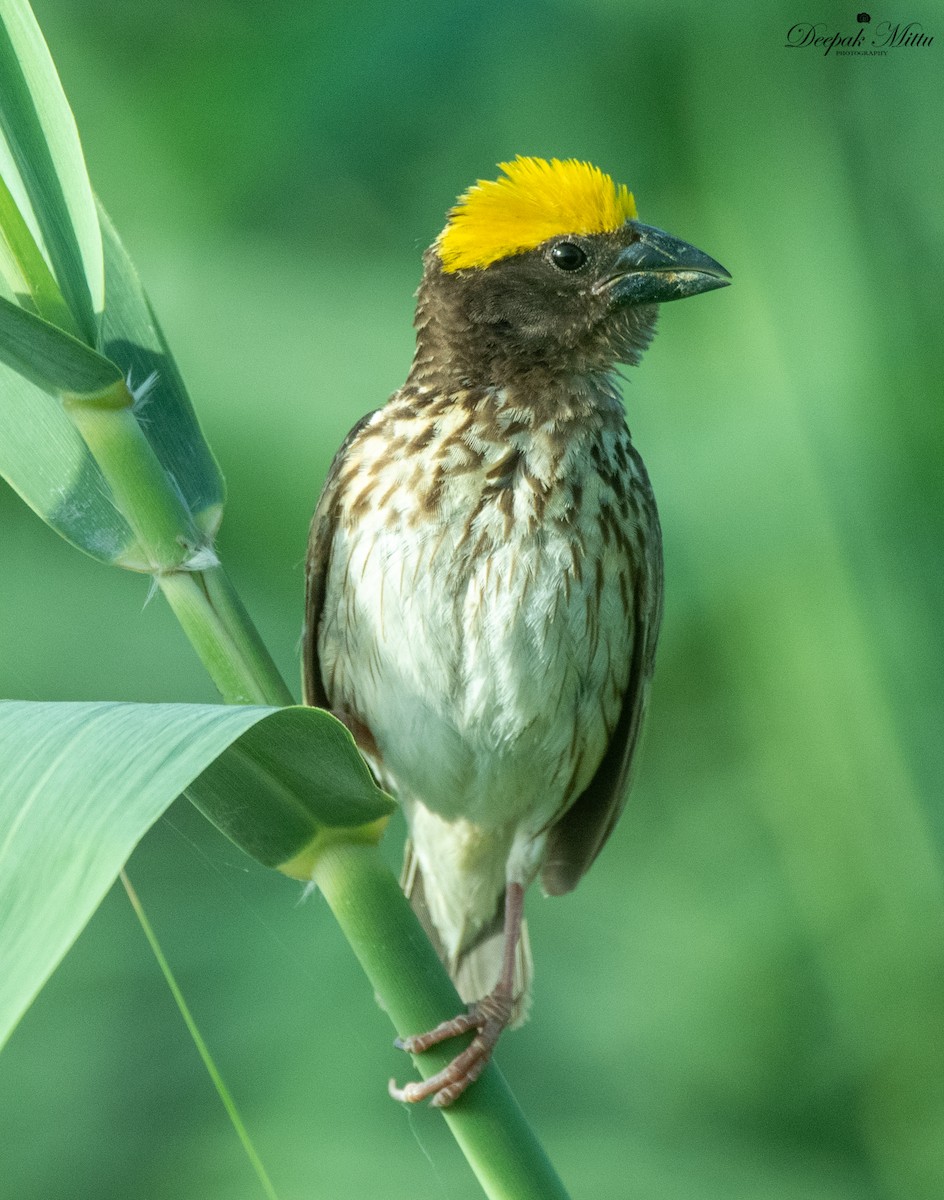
{"x": 473, "y": 693}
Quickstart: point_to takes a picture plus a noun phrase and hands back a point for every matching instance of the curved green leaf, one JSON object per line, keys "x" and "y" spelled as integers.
{"x": 50, "y": 357}
{"x": 42, "y": 454}
{"x": 25, "y": 276}
{"x": 43, "y": 457}
{"x": 131, "y": 337}
{"x": 41, "y": 161}
{"x": 51, "y": 223}
{"x": 82, "y": 783}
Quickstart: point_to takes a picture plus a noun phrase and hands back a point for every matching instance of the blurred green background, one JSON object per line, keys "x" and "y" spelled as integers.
{"x": 745, "y": 998}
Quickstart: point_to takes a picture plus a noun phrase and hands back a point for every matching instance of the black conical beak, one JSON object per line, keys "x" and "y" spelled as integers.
{"x": 657, "y": 268}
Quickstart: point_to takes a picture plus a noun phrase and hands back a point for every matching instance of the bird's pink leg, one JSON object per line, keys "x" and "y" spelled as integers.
{"x": 487, "y": 1016}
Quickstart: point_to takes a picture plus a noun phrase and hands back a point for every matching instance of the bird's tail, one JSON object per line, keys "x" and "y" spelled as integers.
{"x": 476, "y": 969}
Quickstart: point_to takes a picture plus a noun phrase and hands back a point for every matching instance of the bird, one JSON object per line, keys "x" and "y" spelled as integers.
{"x": 484, "y": 575}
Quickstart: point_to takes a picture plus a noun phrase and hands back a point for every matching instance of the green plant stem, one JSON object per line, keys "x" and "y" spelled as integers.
{"x": 417, "y": 994}
{"x": 220, "y": 630}
{"x": 144, "y": 493}
{"x": 204, "y": 601}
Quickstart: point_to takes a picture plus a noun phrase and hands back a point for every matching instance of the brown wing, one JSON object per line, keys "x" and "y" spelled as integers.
{"x": 578, "y": 837}
{"x": 320, "y": 538}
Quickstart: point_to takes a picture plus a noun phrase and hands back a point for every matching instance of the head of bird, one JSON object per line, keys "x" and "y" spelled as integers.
{"x": 548, "y": 269}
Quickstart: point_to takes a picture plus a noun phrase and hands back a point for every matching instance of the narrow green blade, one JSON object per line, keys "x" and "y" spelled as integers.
{"x": 41, "y": 161}
{"x": 25, "y": 276}
{"x": 49, "y": 357}
{"x": 51, "y": 250}
{"x": 80, "y": 784}
{"x": 130, "y": 336}
{"x": 43, "y": 457}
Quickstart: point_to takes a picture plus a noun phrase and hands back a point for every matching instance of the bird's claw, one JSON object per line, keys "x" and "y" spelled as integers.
{"x": 489, "y": 1017}
{"x": 421, "y": 1042}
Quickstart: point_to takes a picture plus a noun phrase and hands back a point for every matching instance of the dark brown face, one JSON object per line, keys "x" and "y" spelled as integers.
{"x": 574, "y": 305}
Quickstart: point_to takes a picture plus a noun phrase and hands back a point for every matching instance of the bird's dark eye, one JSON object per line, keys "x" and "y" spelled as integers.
{"x": 568, "y": 256}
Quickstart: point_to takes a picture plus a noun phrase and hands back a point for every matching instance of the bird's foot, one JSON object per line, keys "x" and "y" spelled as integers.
{"x": 488, "y": 1017}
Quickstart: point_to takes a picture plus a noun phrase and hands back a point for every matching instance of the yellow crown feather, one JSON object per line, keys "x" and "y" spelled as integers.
{"x": 535, "y": 199}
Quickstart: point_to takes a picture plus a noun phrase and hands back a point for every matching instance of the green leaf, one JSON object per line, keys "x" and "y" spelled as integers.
{"x": 50, "y": 219}
{"x": 49, "y": 357}
{"x": 41, "y": 161}
{"x": 43, "y": 457}
{"x": 260, "y": 793}
{"x": 24, "y": 273}
{"x": 82, "y": 783}
{"x": 131, "y": 337}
